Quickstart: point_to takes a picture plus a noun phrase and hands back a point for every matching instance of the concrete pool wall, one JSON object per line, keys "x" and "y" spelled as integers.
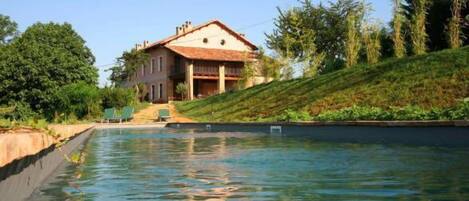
{"x": 441, "y": 133}
{"x": 19, "y": 178}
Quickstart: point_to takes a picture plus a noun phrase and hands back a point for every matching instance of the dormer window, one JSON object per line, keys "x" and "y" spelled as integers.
{"x": 205, "y": 40}
{"x": 222, "y": 42}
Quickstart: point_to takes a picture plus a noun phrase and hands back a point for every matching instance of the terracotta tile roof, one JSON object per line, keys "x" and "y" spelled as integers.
{"x": 210, "y": 54}
{"x": 174, "y": 37}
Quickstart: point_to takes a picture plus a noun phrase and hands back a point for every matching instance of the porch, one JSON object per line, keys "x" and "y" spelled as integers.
{"x": 205, "y": 78}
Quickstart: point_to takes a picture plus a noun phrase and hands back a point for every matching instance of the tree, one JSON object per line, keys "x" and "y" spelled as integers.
{"x": 181, "y": 88}
{"x": 8, "y": 29}
{"x": 312, "y": 59}
{"x": 372, "y": 40}
{"x": 126, "y": 66}
{"x": 397, "y": 36}
{"x": 436, "y": 26}
{"x": 418, "y": 33}
{"x": 36, "y": 64}
{"x": 328, "y": 23}
{"x": 454, "y": 26}
{"x": 352, "y": 42}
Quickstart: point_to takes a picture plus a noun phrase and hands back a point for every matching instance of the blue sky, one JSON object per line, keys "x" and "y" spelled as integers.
{"x": 110, "y": 27}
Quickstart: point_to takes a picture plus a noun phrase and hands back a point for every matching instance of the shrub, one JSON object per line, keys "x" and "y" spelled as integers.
{"x": 18, "y": 111}
{"x": 459, "y": 112}
{"x": 80, "y": 99}
{"x": 292, "y": 115}
{"x": 117, "y": 97}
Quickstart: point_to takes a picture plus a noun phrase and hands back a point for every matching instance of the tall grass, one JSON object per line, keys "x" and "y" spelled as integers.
{"x": 371, "y": 38}
{"x": 418, "y": 32}
{"x": 454, "y": 26}
{"x": 398, "y": 37}
{"x": 352, "y": 43}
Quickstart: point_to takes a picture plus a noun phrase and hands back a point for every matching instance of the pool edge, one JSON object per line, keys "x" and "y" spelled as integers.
{"x": 20, "y": 178}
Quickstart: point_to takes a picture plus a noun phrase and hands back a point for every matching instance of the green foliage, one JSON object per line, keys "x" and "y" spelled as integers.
{"x": 418, "y": 33}
{"x": 8, "y": 29}
{"x": 80, "y": 99}
{"x": 269, "y": 66}
{"x": 127, "y": 66}
{"x": 435, "y": 80}
{"x": 117, "y": 97}
{"x": 454, "y": 26}
{"x": 397, "y": 36}
{"x": 352, "y": 42}
{"x": 328, "y": 23}
{"x": 181, "y": 89}
{"x": 291, "y": 115}
{"x": 459, "y": 112}
{"x": 36, "y": 64}
{"x": 142, "y": 92}
{"x": 436, "y": 26}
{"x": 18, "y": 111}
{"x": 372, "y": 40}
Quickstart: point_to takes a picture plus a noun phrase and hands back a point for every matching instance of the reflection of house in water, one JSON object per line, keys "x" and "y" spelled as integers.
{"x": 209, "y": 175}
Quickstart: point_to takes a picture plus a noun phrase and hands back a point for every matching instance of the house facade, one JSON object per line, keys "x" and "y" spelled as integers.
{"x": 209, "y": 58}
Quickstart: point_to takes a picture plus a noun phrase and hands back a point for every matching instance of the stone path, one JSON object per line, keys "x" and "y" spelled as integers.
{"x": 149, "y": 114}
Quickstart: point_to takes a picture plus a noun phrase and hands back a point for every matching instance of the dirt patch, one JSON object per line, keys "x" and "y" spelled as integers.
{"x": 150, "y": 114}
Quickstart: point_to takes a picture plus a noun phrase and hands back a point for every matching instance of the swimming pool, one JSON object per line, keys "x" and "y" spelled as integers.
{"x": 175, "y": 164}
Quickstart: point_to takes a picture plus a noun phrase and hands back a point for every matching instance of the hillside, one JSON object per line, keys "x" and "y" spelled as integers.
{"x": 435, "y": 80}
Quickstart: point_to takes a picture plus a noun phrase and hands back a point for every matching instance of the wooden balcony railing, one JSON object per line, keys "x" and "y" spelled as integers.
{"x": 206, "y": 70}
{"x": 233, "y": 71}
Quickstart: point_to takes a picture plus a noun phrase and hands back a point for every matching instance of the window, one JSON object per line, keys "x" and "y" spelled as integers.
{"x": 153, "y": 65}
{"x": 160, "y": 67}
{"x": 143, "y": 69}
{"x": 205, "y": 40}
{"x": 153, "y": 92}
{"x": 222, "y": 42}
{"x": 160, "y": 94}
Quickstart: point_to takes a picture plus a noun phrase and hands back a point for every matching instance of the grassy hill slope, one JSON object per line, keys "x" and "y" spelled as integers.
{"x": 435, "y": 80}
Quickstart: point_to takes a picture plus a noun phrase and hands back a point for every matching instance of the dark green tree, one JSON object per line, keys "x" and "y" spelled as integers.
{"x": 328, "y": 23}
{"x": 8, "y": 29}
{"x": 36, "y": 64}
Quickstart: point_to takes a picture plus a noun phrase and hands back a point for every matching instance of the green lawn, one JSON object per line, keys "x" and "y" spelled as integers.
{"x": 435, "y": 80}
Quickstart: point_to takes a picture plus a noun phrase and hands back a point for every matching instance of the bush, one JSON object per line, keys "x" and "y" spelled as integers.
{"x": 18, "y": 111}
{"x": 291, "y": 115}
{"x": 459, "y": 112}
{"x": 80, "y": 99}
{"x": 117, "y": 97}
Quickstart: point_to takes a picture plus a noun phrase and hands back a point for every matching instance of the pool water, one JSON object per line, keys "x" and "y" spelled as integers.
{"x": 164, "y": 164}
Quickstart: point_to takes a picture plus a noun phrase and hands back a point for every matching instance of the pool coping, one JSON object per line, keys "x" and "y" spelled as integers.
{"x": 430, "y": 123}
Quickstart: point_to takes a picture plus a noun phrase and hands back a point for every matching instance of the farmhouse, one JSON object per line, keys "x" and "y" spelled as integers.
{"x": 209, "y": 58}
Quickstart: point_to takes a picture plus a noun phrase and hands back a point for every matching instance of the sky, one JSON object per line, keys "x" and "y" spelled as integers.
{"x": 110, "y": 27}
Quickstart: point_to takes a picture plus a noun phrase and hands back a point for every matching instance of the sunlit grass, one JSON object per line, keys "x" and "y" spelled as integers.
{"x": 435, "y": 80}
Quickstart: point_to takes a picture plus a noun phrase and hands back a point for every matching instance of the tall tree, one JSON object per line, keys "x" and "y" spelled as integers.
{"x": 352, "y": 42}
{"x": 44, "y": 58}
{"x": 8, "y": 29}
{"x": 454, "y": 26}
{"x": 328, "y": 23}
{"x": 372, "y": 40}
{"x": 397, "y": 36}
{"x": 127, "y": 65}
{"x": 419, "y": 35}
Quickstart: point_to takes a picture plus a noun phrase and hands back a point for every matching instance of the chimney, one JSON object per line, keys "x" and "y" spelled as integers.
{"x": 179, "y": 30}
{"x": 145, "y": 43}
{"x": 188, "y": 25}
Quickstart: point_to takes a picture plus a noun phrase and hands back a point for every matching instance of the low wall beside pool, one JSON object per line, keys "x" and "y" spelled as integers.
{"x": 443, "y": 133}
{"x": 19, "y": 178}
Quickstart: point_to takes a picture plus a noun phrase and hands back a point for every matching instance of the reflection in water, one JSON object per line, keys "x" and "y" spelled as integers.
{"x": 173, "y": 165}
